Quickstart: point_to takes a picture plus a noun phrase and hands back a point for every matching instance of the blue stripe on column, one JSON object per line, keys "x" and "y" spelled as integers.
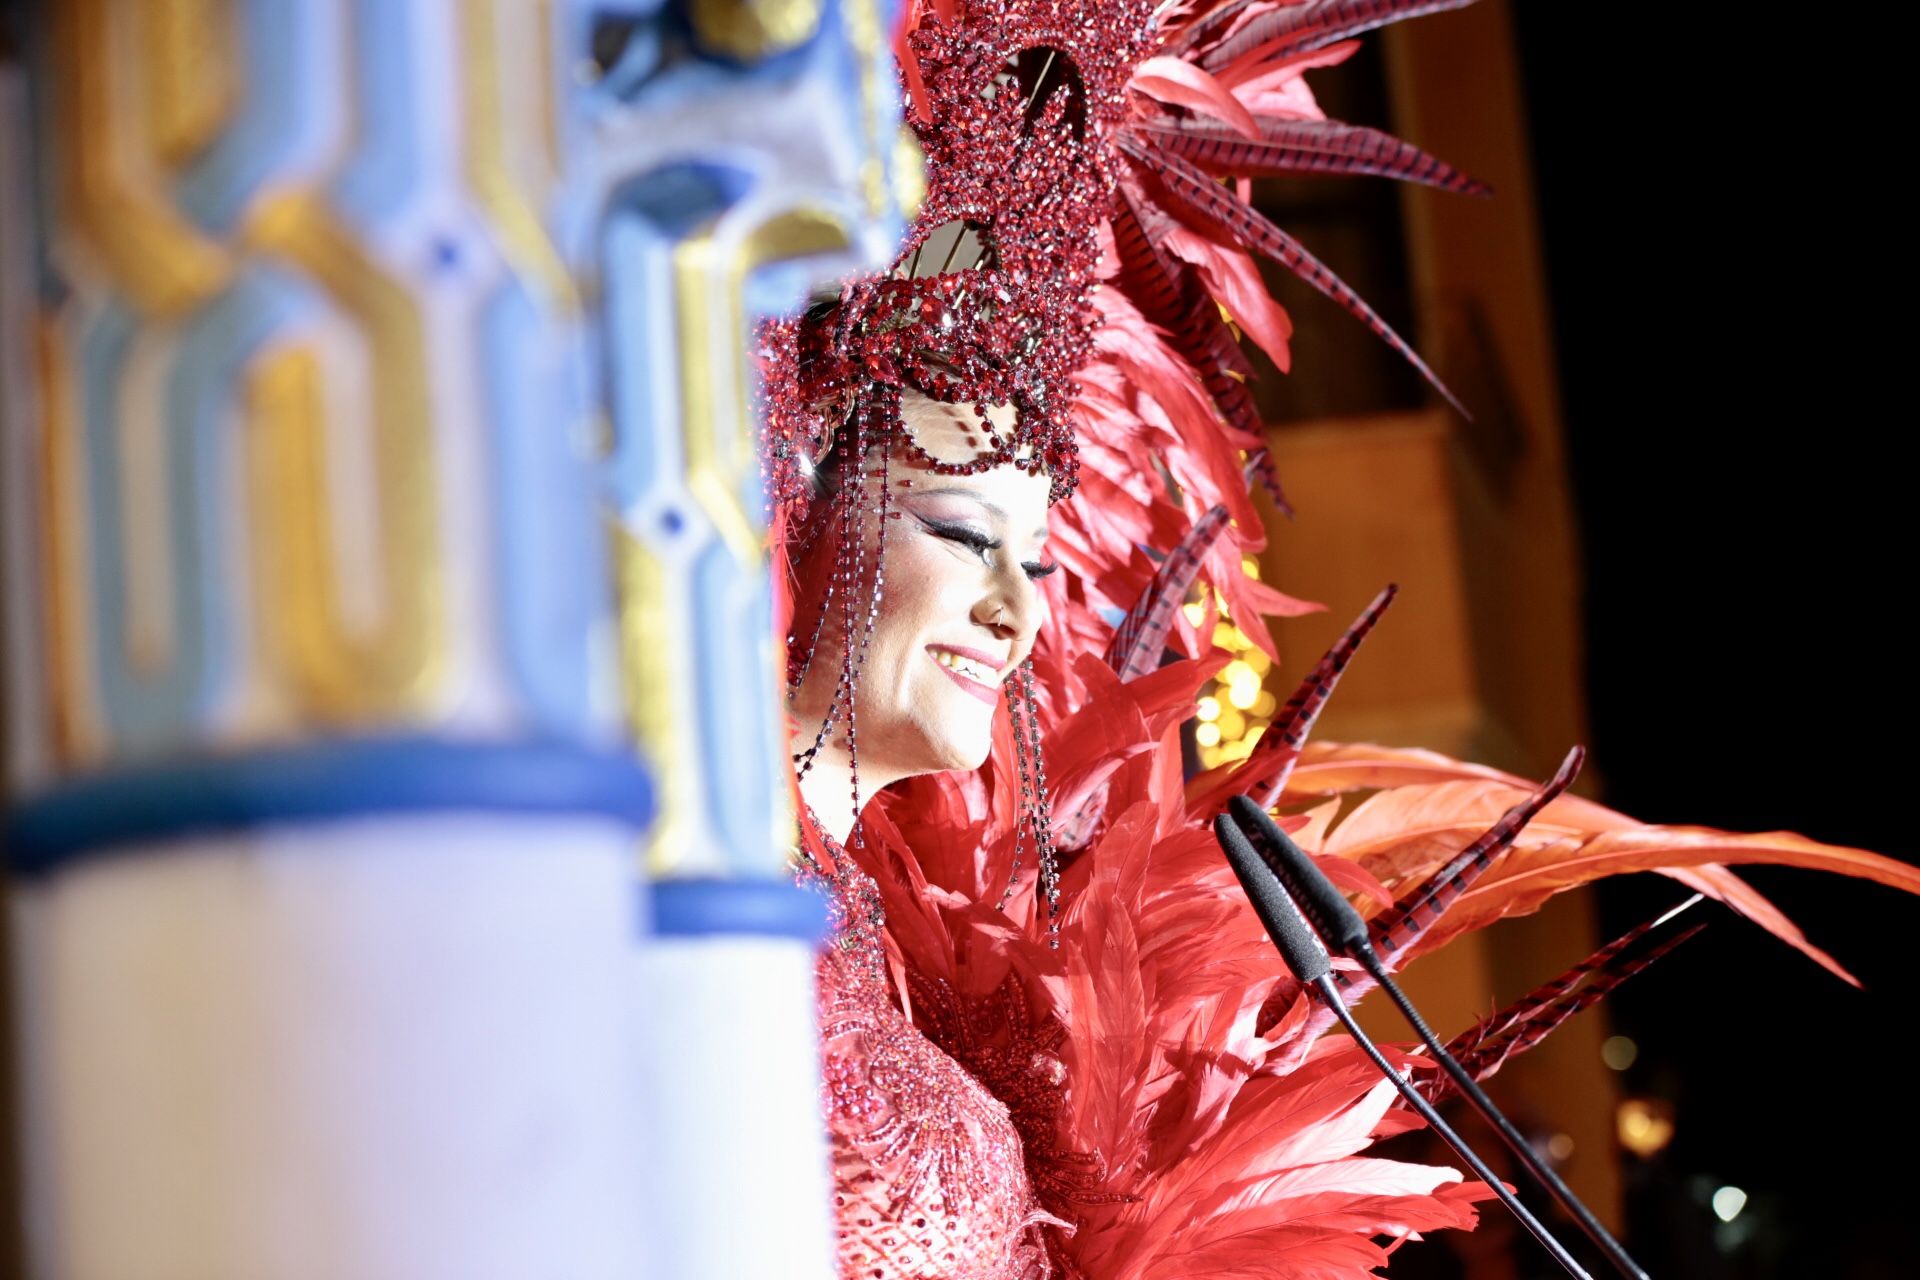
{"x": 315, "y": 783}
{"x": 698, "y": 908}
{"x": 544, "y": 490}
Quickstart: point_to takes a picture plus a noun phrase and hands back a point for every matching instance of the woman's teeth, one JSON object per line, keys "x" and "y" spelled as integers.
{"x": 967, "y": 667}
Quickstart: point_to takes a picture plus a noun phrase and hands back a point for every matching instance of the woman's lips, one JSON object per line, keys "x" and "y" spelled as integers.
{"x": 987, "y": 693}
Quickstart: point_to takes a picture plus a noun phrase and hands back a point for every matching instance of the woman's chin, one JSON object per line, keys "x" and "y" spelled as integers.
{"x": 957, "y": 736}
{"x": 938, "y": 737}
{"x": 962, "y": 755}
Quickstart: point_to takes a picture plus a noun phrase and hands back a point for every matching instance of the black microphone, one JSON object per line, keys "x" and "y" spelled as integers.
{"x": 1336, "y": 921}
{"x": 1298, "y": 947}
{"x": 1308, "y": 961}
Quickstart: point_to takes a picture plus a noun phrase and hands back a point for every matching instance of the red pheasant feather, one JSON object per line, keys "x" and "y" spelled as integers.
{"x": 1141, "y": 636}
{"x": 1263, "y": 774}
{"x": 1285, "y": 30}
{"x": 1309, "y": 146}
{"x": 1487, "y": 1045}
{"x": 1205, "y": 201}
{"x": 1394, "y": 932}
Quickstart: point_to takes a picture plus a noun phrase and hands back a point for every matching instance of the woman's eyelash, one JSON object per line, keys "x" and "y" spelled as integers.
{"x": 980, "y": 543}
{"x": 966, "y": 536}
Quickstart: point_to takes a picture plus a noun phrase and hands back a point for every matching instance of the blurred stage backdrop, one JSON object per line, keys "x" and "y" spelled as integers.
{"x": 396, "y": 868}
{"x": 397, "y": 846}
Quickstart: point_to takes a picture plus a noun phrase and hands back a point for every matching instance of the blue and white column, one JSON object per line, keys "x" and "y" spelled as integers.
{"x": 325, "y": 828}
{"x": 737, "y": 158}
{"x": 396, "y": 827}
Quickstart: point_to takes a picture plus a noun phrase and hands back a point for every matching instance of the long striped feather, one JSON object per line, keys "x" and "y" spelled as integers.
{"x": 1151, "y": 276}
{"x": 1264, "y": 773}
{"x": 1260, "y": 470}
{"x": 1202, "y": 336}
{"x": 1142, "y": 635}
{"x": 1208, "y": 26}
{"x": 1296, "y": 719}
{"x": 1169, "y": 293}
{"x": 1302, "y": 28}
{"x": 1487, "y": 1045}
{"x": 1501, "y": 1025}
{"x": 1175, "y": 296}
{"x": 1394, "y": 931}
{"x": 1309, "y": 146}
{"x": 1207, "y": 200}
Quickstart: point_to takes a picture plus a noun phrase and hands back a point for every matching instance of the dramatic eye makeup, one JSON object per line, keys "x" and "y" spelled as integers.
{"x": 978, "y": 542}
{"x": 958, "y": 531}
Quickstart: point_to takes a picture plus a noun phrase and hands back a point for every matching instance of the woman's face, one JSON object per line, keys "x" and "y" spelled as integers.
{"x": 960, "y": 606}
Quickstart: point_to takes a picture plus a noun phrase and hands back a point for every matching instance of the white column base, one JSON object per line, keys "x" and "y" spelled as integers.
{"x": 396, "y": 1048}
{"x": 739, "y": 1187}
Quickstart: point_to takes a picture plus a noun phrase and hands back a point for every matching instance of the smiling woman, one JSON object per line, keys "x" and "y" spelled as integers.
{"x": 960, "y": 563}
{"x": 919, "y": 431}
{"x": 922, "y": 604}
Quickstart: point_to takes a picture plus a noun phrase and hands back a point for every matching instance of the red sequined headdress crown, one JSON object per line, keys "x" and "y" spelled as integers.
{"x": 1015, "y": 103}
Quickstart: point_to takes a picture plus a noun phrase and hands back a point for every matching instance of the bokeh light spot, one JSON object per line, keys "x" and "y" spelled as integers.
{"x": 1619, "y": 1052}
{"x": 1644, "y": 1125}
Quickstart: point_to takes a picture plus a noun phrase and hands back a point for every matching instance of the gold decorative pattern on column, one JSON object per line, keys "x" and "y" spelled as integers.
{"x": 392, "y": 669}
{"x": 191, "y": 82}
{"x": 61, "y": 580}
{"x": 708, "y": 277}
{"x": 862, "y": 19}
{"x": 751, "y": 30}
{"x": 523, "y": 239}
{"x": 164, "y": 264}
{"x": 650, "y": 657}
{"x": 909, "y": 172}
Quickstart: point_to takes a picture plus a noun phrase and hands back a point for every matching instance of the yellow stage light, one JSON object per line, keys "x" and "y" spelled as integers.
{"x": 1645, "y": 1125}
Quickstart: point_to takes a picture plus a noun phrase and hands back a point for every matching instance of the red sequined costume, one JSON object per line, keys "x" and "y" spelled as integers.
{"x": 1104, "y": 1074}
{"x": 929, "y": 1177}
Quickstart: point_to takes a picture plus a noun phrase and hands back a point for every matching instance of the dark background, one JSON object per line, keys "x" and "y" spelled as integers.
{"x": 1728, "y": 266}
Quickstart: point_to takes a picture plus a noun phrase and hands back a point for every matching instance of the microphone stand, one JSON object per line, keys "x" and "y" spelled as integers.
{"x": 1308, "y": 961}
{"x": 1338, "y": 923}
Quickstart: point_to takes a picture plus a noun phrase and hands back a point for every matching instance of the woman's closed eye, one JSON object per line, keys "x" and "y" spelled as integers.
{"x": 981, "y": 544}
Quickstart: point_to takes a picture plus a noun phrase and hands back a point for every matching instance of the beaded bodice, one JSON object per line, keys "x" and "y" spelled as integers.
{"x": 929, "y": 1180}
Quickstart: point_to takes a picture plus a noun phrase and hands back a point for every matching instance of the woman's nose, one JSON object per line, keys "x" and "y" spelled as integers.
{"x": 1011, "y": 609}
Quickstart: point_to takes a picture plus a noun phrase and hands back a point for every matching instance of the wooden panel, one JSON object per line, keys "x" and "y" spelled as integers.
{"x": 1376, "y": 504}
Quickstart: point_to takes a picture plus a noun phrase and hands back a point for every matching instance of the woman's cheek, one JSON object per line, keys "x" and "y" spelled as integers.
{"x": 918, "y": 578}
